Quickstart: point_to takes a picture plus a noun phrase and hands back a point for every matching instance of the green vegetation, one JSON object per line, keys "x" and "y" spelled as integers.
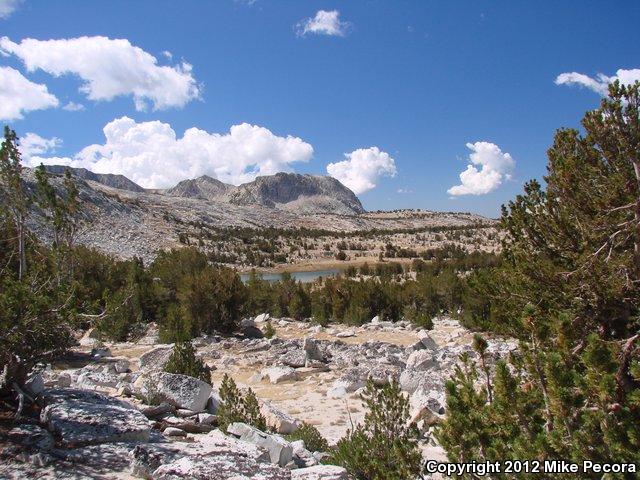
{"x": 384, "y": 446}
{"x": 238, "y": 406}
{"x": 313, "y": 440}
{"x": 568, "y": 288}
{"x": 183, "y": 360}
{"x": 269, "y": 330}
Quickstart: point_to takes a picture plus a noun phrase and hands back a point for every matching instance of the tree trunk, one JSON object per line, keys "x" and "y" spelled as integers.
{"x": 22, "y": 254}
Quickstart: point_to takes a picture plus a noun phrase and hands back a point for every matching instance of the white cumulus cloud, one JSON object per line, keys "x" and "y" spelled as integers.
{"x": 7, "y": 7}
{"x": 19, "y": 95}
{"x": 362, "y": 169}
{"x": 109, "y": 68}
{"x": 33, "y": 145}
{"x": 150, "y": 153}
{"x": 599, "y": 84}
{"x": 73, "y": 107}
{"x": 324, "y": 23}
{"x": 488, "y": 168}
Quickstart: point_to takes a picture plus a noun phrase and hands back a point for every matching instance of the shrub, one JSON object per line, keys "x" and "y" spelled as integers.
{"x": 269, "y": 331}
{"x": 312, "y": 438}
{"x": 238, "y": 406}
{"x": 383, "y": 447}
{"x": 183, "y": 361}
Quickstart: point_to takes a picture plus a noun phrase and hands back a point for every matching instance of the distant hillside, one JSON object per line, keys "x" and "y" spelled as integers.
{"x": 109, "y": 179}
{"x": 204, "y": 187}
{"x": 304, "y": 193}
{"x": 131, "y": 221}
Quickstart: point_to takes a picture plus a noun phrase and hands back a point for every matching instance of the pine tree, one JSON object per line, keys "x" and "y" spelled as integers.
{"x": 569, "y": 289}
{"x": 15, "y": 197}
{"x": 385, "y": 445}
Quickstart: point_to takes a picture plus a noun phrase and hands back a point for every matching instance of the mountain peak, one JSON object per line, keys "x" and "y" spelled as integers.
{"x": 203, "y": 187}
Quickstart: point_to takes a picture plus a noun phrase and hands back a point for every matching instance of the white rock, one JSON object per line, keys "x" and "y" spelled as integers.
{"x": 421, "y": 360}
{"x": 263, "y": 317}
{"x": 156, "y": 358}
{"x": 97, "y": 379}
{"x": 79, "y": 417}
{"x": 375, "y": 320}
{"x": 280, "y": 421}
{"x": 174, "y": 432}
{"x": 122, "y": 365}
{"x": 426, "y": 340}
{"x": 279, "y": 374}
{"x": 280, "y": 451}
{"x": 181, "y": 391}
{"x": 214, "y": 456}
{"x": 206, "y": 418}
{"x": 346, "y": 333}
{"x": 320, "y": 472}
{"x": 337, "y": 391}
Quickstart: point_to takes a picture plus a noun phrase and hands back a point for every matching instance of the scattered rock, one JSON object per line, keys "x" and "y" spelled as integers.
{"x": 280, "y": 451}
{"x": 80, "y": 417}
{"x": 280, "y": 374}
{"x": 320, "y": 472}
{"x": 426, "y": 340}
{"x": 346, "y": 334}
{"x": 155, "y": 359}
{"x": 100, "y": 352}
{"x": 121, "y": 365}
{"x": 280, "y": 421}
{"x": 97, "y": 379}
{"x": 180, "y": 390}
{"x": 263, "y": 317}
{"x": 174, "y": 432}
{"x": 214, "y": 456}
{"x": 32, "y": 436}
{"x": 35, "y": 384}
{"x": 312, "y": 350}
{"x": 421, "y": 360}
{"x": 294, "y": 358}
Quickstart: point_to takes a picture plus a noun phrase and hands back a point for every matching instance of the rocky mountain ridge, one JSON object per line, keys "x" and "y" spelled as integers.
{"x": 292, "y": 191}
{"x": 128, "y": 223}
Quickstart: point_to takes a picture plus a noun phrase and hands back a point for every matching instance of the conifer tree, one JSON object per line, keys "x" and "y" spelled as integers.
{"x": 569, "y": 289}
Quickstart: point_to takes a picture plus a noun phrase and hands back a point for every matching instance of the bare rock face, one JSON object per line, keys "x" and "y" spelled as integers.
{"x": 79, "y": 417}
{"x": 279, "y": 421}
{"x": 305, "y": 193}
{"x": 110, "y": 180}
{"x": 320, "y": 472}
{"x": 280, "y": 451}
{"x": 279, "y": 374}
{"x": 156, "y": 358}
{"x": 204, "y": 187}
{"x": 213, "y": 457}
{"x": 180, "y": 391}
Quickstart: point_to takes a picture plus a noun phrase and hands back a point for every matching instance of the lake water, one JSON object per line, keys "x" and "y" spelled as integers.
{"x": 303, "y": 277}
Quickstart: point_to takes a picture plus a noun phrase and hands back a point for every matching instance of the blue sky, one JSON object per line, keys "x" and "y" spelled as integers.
{"x": 418, "y": 80}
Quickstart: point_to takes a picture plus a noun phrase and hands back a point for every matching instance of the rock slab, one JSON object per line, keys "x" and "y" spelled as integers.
{"x": 79, "y": 417}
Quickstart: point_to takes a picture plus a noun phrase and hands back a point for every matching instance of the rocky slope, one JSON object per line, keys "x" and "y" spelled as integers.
{"x": 302, "y": 193}
{"x": 110, "y": 180}
{"x": 96, "y": 423}
{"x": 204, "y": 188}
{"x": 127, "y": 222}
